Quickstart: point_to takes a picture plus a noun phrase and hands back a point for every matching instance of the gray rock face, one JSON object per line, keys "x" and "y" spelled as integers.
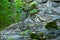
{"x": 48, "y": 11}
{"x": 45, "y": 18}
{"x": 57, "y": 32}
{"x": 24, "y": 15}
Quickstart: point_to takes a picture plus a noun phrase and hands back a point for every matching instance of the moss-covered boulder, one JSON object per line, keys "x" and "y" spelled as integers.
{"x": 51, "y": 25}
{"x": 41, "y": 34}
{"x": 34, "y": 36}
{"x": 55, "y": 24}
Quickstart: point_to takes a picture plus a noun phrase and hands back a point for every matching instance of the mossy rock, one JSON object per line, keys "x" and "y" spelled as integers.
{"x": 51, "y": 25}
{"x": 41, "y": 34}
{"x": 34, "y": 36}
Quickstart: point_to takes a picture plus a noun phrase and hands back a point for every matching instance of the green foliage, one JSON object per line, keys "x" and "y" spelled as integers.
{"x": 10, "y": 39}
{"x": 8, "y": 14}
{"x": 28, "y": 6}
{"x": 33, "y": 11}
{"x": 25, "y": 6}
{"x": 33, "y": 4}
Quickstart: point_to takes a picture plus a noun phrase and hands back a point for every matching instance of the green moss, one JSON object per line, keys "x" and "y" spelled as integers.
{"x": 34, "y": 36}
{"x": 41, "y": 34}
{"x": 10, "y": 39}
{"x": 37, "y": 36}
{"x": 51, "y": 25}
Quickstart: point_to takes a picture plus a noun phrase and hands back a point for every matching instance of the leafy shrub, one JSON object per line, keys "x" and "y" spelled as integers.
{"x": 7, "y": 15}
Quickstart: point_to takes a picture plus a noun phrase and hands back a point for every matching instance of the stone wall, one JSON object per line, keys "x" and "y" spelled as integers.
{"x": 47, "y": 13}
{"x": 55, "y": 0}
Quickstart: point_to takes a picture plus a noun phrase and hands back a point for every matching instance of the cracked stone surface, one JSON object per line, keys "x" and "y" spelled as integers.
{"x": 49, "y": 11}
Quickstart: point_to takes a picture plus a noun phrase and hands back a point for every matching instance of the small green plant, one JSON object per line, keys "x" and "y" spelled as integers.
{"x": 33, "y": 4}
{"x": 10, "y": 39}
{"x": 23, "y": 5}
{"x": 41, "y": 34}
{"x": 33, "y": 11}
